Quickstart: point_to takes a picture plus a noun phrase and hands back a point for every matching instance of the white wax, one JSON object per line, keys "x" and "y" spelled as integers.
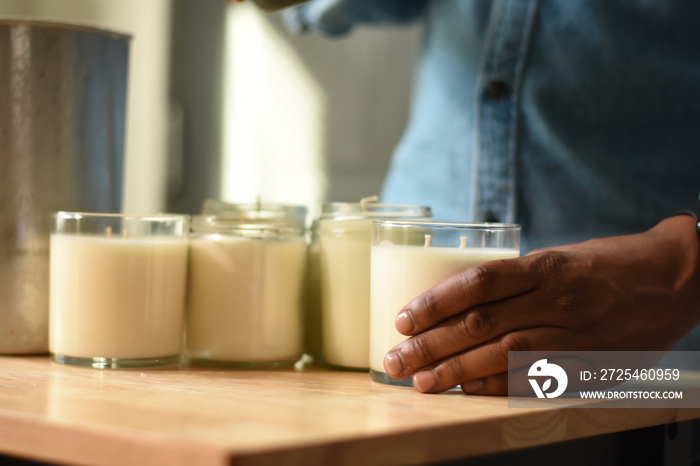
{"x": 400, "y": 273}
{"x": 244, "y": 300}
{"x": 345, "y": 265}
{"x": 117, "y": 297}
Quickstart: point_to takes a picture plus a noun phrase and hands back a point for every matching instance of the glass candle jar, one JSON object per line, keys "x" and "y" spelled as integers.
{"x": 245, "y": 292}
{"x": 343, "y": 236}
{"x": 117, "y": 289}
{"x": 257, "y": 212}
{"x": 408, "y": 258}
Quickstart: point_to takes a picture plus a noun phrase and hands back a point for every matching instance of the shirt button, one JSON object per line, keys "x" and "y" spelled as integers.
{"x": 497, "y": 89}
{"x": 490, "y": 217}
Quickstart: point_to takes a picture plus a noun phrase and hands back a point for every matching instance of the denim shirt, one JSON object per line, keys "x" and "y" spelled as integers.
{"x": 573, "y": 118}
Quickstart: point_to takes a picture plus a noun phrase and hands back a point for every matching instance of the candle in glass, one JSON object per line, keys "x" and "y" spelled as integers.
{"x": 258, "y": 212}
{"x": 343, "y": 238}
{"x": 408, "y": 258}
{"x": 245, "y": 292}
{"x": 117, "y": 289}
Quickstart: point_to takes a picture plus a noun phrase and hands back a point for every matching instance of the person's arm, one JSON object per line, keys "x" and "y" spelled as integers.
{"x": 340, "y": 17}
{"x": 626, "y": 293}
{"x": 274, "y": 5}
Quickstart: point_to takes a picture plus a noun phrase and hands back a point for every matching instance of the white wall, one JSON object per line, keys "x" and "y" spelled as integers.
{"x": 291, "y": 119}
{"x": 148, "y": 21}
{"x": 309, "y": 119}
{"x": 302, "y": 119}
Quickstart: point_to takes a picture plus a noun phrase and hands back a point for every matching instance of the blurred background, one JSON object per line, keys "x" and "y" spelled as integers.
{"x": 225, "y": 103}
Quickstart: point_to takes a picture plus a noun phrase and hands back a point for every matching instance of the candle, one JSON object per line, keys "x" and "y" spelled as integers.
{"x": 344, "y": 274}
{"x": 117, "y": 289}
{"x": 405, "y": 261}
{"x": 245, "y": 292}
{"x": 344, "y": 241}
{"x": 258, "y": 212}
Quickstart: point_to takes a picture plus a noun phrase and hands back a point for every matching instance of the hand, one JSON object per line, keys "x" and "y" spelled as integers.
{"x": 274, "y": 5}
{"x": 624, "y": 293}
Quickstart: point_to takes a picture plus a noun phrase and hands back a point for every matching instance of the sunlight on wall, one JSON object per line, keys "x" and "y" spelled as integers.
{"x": 273, "y": 117}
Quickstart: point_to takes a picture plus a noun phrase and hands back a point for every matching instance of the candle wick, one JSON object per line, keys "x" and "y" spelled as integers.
{"x": 366, "y": 200}
{"x": 462, "y": 242}
{"x": 427, "y": 241}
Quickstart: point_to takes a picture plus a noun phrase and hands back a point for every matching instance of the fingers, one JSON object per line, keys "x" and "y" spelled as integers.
{"x": 475, "y": 368}
{"x": 496, "y": 384}
{"x": 517, "y": 381}
{"x": 464, "y": 331}
{"x": 463, "y": 328}
{"x": 487, "y": 282}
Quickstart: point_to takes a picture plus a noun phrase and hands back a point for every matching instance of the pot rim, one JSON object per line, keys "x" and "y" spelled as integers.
{"x": 56, "y": 24}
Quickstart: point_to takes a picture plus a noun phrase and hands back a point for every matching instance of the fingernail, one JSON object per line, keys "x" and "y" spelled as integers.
{"x": 404, "y": 323}
{"x": 393, "y": 365}
{"x": 473, "y": 386}
{"x": 424, "y": 381}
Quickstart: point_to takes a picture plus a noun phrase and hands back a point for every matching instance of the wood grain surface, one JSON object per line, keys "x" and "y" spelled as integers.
{"x": 55, "y": 413}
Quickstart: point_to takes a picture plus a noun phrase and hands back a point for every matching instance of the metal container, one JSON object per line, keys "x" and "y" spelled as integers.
{"x": 62, "y": 117}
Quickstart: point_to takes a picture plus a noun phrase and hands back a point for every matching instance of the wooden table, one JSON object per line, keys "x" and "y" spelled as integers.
{"x": 55, "y": 413}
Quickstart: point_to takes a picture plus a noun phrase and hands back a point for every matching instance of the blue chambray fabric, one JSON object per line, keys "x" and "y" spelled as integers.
{"x": 595, "y": 130}
{"x": 574, "y": 118}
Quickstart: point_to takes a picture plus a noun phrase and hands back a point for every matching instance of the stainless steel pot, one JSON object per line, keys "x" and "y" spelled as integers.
{"x": 62, "y": 117}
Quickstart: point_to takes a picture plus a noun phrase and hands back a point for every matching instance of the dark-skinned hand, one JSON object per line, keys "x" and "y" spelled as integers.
{"x": 625, "y": 293}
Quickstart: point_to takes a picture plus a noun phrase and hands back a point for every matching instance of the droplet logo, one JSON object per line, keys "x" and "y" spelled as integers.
{"x": 542, "y": 369}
